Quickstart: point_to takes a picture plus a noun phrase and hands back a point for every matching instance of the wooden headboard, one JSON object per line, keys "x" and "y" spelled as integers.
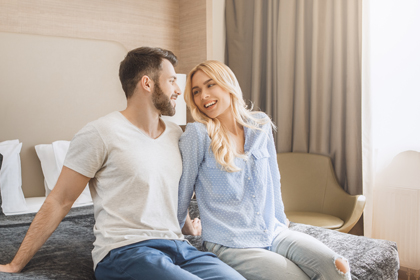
{"x": 50, "y": 87}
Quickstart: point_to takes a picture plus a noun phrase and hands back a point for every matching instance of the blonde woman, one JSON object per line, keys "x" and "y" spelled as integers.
{"x": 229, "y": 160}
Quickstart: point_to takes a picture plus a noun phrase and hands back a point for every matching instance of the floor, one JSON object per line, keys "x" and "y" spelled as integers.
{"x": 403, "y": 275}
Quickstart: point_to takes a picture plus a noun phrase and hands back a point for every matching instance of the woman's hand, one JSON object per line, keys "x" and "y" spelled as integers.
{"x": 192, "y": 227}
{"x": 196, "y": 224}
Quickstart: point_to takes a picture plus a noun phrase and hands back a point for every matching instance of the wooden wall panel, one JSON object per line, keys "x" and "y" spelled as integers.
{"x": 133, "y": 23}
{"x": 193, "y": 37}
{"x": 195, "y": 27}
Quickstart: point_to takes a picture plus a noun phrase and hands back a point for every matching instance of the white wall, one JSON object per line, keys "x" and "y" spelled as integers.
{"x": 394, "y": 59}
{"x": 391, "y": 121}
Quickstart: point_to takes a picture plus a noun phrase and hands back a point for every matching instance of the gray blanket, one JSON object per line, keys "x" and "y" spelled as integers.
{"x": 67, "y": 253}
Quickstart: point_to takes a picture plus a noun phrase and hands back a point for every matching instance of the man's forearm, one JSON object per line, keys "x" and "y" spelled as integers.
{"x": 41, "y": 228}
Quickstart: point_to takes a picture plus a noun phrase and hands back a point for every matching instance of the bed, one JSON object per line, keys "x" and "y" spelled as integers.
{"x": 66, "y": 255}
{"x": 51, "y": 87}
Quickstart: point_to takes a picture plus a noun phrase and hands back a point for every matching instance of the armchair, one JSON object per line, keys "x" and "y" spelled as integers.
{"x": 312, "y": 195}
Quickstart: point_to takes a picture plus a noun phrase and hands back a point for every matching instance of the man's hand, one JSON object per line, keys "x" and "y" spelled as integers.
{"x": 8, "y": 268}
{"x": 192, "y": 227}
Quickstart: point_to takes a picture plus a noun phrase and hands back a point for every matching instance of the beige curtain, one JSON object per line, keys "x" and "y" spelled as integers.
{"x": 300, "y": 62}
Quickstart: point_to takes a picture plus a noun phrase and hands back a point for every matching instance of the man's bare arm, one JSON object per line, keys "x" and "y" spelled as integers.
{"x": 69, "y": 186}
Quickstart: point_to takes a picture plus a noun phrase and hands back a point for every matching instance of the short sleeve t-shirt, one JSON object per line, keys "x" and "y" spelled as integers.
{"x": 134, "y": 183}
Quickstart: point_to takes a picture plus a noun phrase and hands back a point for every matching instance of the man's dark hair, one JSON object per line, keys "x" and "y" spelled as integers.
{"x": 143, "y": 61}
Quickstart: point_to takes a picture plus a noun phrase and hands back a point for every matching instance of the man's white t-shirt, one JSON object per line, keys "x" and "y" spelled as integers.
{"x": 134, "y": 183}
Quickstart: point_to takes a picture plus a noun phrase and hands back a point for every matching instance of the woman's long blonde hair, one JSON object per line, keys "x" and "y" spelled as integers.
{"x": 222, "y": 146}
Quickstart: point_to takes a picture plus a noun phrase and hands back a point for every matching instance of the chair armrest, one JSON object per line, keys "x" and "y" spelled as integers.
{"x": 358, "y": 203}
{"x": 347, "y": 207}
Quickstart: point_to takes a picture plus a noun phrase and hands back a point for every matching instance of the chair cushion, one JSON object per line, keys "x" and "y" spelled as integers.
{"x": 315, "y": 219}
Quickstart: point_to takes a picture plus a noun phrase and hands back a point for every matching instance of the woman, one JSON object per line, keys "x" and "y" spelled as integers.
{"x": 229, "y": 160}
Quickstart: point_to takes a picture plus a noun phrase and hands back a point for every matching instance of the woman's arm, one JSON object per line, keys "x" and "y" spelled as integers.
{"x": 191, "y": 145}
{"x": 275, "y": 175}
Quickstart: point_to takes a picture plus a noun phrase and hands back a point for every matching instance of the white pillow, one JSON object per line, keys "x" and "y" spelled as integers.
{"x": 34, "y": 203}
{"x": 52, "y": 159}
{"x": 13, "y": 200}
{"x": 46, "y": 156}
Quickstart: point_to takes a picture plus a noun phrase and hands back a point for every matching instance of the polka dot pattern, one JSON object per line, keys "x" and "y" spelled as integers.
{"x": 240, "y": 209}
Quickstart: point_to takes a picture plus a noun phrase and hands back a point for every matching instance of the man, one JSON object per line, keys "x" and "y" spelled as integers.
{"x": 132, "y": 161}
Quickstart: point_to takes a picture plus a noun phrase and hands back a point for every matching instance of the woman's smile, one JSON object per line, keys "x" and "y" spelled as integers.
{"x": 210, "y": 104}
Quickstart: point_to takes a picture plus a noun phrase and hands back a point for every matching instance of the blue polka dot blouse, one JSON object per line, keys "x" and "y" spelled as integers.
{"x": 240, "y": 209}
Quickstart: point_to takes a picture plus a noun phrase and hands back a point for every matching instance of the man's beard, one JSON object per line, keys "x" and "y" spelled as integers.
{"x": 162, "y": 102}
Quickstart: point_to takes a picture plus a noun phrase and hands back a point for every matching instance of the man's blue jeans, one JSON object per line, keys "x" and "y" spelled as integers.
{"x": 160, "y": 259}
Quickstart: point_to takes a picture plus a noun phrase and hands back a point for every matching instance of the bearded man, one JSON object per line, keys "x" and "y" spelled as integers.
{"x": 133, "y": 165}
